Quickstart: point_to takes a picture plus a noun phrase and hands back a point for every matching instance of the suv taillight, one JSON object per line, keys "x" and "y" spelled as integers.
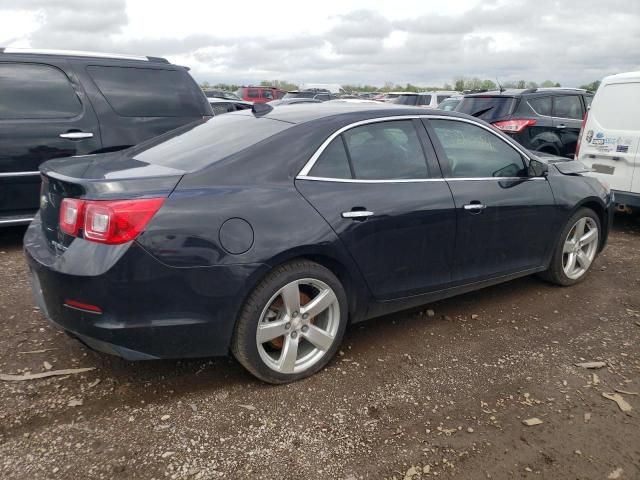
{"x": 584, "y": 122}
{"x": 107, "y": 221}
{"x": 515, "y": 125}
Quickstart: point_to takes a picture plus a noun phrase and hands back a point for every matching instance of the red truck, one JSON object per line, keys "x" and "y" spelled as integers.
{"x": 260, "y": 94}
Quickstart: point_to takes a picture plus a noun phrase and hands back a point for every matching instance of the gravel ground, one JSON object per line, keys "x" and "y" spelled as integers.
{"x": 438, "y": 392}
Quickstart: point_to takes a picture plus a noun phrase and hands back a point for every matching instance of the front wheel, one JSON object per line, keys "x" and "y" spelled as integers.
{"x": 292, "y": 323}
{"x": 577, "y": 249}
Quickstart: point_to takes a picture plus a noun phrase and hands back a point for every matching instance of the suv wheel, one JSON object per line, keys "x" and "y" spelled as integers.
{"x": 292, "y": 323}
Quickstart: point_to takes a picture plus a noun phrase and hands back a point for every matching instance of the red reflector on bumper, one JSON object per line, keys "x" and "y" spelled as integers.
{"x": 82, "y": 306}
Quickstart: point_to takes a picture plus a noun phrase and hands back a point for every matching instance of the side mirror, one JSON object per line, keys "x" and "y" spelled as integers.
{"x": 537, "y": 168}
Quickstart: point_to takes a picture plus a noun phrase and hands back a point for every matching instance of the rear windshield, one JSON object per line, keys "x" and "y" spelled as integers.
{"x": 406, "y": 100}
{"x": 617, "y": 106}
{"x": 487, "y": 108}
{"x": 198, "y": 145}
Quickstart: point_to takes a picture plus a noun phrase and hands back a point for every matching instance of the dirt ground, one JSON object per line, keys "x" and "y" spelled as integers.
{"x": 420, "y": 394}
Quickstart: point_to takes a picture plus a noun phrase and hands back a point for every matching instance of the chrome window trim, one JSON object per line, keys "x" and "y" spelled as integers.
{"x": 416, "y": 180}
{"x": 18, "y": 174}
{"x": 303, "y": 174}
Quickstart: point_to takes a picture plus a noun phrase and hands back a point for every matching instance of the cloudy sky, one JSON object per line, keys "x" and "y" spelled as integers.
{"x": 424, "y": 42}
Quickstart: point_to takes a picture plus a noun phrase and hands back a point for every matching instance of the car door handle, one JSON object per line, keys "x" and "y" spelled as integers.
{"x": 76, "y": 135}
{"x": 474, "y": 207}
{"x": 357, "y": 214}
{"x": 561, "y": 126}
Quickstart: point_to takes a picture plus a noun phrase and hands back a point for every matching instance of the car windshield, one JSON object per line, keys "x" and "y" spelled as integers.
{"x": 449, "y": 104}
{"x": 406, "y": 100}
{"x": 487, "y": 108}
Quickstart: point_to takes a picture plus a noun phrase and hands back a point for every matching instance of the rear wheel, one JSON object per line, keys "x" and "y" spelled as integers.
{"x": 577, "y": 249}
{"x": 292, "y": 323}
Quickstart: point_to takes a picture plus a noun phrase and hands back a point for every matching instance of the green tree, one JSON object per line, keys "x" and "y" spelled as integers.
{"x": 593, "y": 86}
{"x": 458, "y": 84}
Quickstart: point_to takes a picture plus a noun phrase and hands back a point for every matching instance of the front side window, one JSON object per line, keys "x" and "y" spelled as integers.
{"x": 567, "y": 106}
{"x": 442, "y": 98}
{"x": 267, "y": 94}
{"x": 148, "y": 92}
{"x": 33, "y": 91}
{"x": 474, "y": 152}
{"x": 376, "y": 151}
{"x": 253, "y": 93}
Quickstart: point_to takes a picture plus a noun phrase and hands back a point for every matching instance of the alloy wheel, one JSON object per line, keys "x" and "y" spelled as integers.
{"x": 580, "y": 248}
{"x": 298, "y": 326}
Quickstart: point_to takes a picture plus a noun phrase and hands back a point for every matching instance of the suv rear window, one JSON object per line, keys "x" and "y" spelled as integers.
{"x": 149, "y": 92}
{"x": 487, "y": 108}
{"x": 191, "y": 148}
{"x": 407, "y": 100}
{"x": 36, "y": 91}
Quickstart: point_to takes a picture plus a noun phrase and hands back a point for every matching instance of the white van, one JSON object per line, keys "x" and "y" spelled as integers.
{"x": 610, "y": 135}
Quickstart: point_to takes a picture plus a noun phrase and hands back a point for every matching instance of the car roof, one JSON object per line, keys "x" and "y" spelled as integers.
{"x": 80, "y": 53}
{"x": 514, "y": 92}
{"x": 626, "y": 76}
{"x": 307, "y": 112}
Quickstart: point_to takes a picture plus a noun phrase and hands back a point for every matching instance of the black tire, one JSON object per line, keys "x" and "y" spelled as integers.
{"x": 555, "y": 273}
{"x": 244, "y": 345}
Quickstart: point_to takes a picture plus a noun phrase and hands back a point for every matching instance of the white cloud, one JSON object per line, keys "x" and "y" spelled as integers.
{"x": 425, "y": 43}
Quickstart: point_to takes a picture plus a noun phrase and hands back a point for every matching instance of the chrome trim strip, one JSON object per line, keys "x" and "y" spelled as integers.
{"x": 18, "y": 174}
{"x": 416, "y": 180}
{"x": 16, "y": 221}
{"x": 354, "y": 180}
{"x": 304, "y": 173}
{"x": 74, "y": 53}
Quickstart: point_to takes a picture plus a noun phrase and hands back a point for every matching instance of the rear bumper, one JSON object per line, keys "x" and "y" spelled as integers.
{"x": 149, "y": 310}
{"x": 627, "y": 198}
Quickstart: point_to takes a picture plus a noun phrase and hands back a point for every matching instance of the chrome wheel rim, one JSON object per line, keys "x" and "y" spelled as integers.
{"x": 580, "y": 248}
{"x": 298, "y": 326}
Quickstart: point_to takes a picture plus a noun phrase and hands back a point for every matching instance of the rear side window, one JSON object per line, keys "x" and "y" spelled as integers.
{"x": 487, "y": 108}
{"x": 442, "y": 98}
{"x": 267, "y": 94}
{"x": 253, "y": 93}
{"x": 567, "y": 106}
{"x": 386, "y": 151}
{"x": 333, "y": 163}
{"x": 424, "y": 100}
{"x": 474, "y": 152}
{"x": 617, "y": 106}
{"x": 32, "y": 91}
{"x": 541, "y": 105}
{"x": 148, "y": 92}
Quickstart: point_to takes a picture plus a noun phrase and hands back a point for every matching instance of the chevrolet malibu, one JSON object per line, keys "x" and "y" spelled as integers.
{"x": 266, "y": 232}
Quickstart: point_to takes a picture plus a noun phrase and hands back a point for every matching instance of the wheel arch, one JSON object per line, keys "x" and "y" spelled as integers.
{"x": 597, "y": 205}
{"x": 340, "y": 265}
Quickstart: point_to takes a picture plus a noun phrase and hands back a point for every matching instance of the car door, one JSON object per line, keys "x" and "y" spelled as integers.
{"x": 505, "y": 219}
{"x": 568, "y": 112}
{"x": 391, "y": 209}
{"x": 44, "y": 114}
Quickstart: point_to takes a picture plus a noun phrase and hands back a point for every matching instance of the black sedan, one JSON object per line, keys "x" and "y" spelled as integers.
{"x": 265, "y": 232}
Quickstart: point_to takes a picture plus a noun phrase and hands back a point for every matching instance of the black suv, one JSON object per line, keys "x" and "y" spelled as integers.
{"x": 60, "y": 104}
{"x": 542, "y": 119}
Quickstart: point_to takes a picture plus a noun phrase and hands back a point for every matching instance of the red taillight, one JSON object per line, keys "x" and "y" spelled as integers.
{"x": 584, "y": 122}
{"x": 515, "y": 125}
{"x": 71, "y": 215}
{"x": 107, "y": 221}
